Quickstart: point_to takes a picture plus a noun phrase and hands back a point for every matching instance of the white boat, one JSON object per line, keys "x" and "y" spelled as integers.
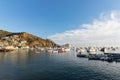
{"x": 49, "y": 50}
{"x": 92, "y": 50}
{"x": 82, "y": 50}
{"x": 67, "y": 49}
{"x": 55, "y": 51}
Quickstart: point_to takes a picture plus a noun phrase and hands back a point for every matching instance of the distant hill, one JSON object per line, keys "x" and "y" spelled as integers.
{"x": 32, "y": 40}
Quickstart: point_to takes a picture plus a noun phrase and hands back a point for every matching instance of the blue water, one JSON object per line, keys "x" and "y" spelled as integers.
{"x": 23, "y": 65}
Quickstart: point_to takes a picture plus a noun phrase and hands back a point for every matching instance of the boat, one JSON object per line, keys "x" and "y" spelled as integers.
{"x": 61, "y": 50}
{"x": 80, "y": 54}
{"x": 104, "y": 58}
{"x": 66, "y": 49}
{"x": 49, "y": 50}
{"x": 117, "y": 60}
{"x": 55, "y": 51}
{"x": 92, "y": 51}
{"x": 93, "y": 57}
{"x": 110, "y": 59}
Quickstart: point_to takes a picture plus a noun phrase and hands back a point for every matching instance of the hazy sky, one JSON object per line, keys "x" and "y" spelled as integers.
{"x": 75, "y": 21}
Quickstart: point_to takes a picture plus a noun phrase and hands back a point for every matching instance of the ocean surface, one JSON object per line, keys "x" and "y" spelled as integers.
{"x": 25, "y": 65}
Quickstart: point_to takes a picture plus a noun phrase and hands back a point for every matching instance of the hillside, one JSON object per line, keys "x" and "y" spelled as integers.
{"x": 31, "y": 40}
{"x": 4, "y": 33}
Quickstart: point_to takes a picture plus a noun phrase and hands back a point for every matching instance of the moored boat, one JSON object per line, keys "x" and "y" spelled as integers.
{"x": 80, "y": 54}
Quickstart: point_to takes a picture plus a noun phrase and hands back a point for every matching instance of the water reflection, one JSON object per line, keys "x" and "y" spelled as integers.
{"x": 28, "y": 65}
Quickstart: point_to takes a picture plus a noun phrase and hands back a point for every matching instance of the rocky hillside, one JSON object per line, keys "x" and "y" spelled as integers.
{"x": 32, "y": 40}
{"x": 4, "y": 33}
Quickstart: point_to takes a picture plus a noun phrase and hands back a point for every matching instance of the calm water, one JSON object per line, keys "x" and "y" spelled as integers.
{"x": 30, "y": 66}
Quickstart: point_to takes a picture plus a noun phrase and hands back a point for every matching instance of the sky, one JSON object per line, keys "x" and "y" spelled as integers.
{"x": 79, "y": 22}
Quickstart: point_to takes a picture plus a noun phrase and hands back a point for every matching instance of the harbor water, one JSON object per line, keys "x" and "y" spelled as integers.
{"x": 25, "y": 65}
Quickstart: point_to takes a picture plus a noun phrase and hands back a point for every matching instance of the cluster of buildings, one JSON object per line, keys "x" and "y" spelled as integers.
{"x": 63, "y": 49}
{"x": 12, "y": 42}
